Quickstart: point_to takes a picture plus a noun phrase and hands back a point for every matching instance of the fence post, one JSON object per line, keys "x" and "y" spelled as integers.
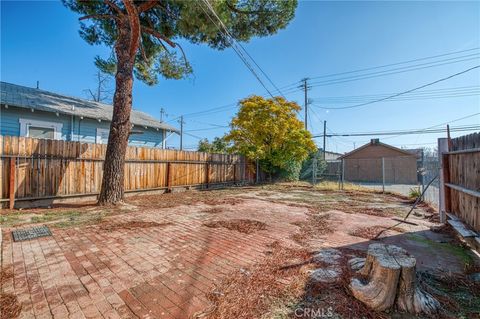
{"x": 443, "y": 173}
{"x": 169, "y": 177}
{"x": 422, "y": 174}
{"x": 12, "y": 182}
{"x": 256, "y": 172}
{"x": 207, "y": 175}
{"x": 383, "y": 174}
{"x": 244, "y": 172}
{"x": 343, "y": 173}
{"x": 234, "y": 173}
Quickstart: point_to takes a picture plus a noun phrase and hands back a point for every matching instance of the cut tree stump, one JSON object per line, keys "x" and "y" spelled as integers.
{"x": 391, "y": 279}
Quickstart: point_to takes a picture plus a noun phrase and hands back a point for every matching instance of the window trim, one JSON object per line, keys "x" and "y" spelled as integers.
{"x": 26, "y": 123}
{"x": 98, "y": 137}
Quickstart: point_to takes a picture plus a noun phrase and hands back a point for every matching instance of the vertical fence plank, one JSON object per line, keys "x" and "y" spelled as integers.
{"x": 12, "y": 182}
{"x": 60, "y": 168}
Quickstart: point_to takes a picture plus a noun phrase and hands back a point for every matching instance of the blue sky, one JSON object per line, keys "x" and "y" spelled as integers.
{"x": 40, "y": 41}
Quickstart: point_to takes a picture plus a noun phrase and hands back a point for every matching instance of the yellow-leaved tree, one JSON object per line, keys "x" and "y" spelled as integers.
{"x": 268, "y": 130}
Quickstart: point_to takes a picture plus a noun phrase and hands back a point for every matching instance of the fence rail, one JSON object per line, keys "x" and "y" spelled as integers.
{"x": 38, "y": 169}
{"x": 461, "y": 182}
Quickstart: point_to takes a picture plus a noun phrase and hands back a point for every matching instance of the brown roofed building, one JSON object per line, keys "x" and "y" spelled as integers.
{"x": 369, "y": 162}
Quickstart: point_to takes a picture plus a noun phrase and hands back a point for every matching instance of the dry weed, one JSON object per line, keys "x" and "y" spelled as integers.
{"x": 245, "y": 226}
{"x": 250, "y": 293}
{"x": 9, "y": 306}
{"x": 315, "y": 225}
{"x": 130, "y": 225}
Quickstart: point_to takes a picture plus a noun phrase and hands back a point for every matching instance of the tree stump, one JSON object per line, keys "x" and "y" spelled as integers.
{"x": 391, "y": 279}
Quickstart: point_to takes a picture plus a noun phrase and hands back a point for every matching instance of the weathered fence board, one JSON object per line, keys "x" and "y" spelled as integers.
{"x": 463, "y": 170}
{"x": 51, "y": 168}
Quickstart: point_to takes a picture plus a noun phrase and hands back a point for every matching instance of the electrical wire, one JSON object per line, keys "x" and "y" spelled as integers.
{"x": 385, "y": 73}
{"x": 401, "y": 93}
{"x": 424, "y": 94}
{"x": 405, "y": 132}
{"x": 232, "y": 42}
{"x": 394, "y": 64}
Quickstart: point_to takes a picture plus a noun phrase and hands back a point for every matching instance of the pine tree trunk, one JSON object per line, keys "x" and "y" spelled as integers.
{"x": 113, "y": 170}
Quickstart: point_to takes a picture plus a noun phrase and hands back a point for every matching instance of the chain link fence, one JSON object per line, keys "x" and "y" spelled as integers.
{"x": 405, "y": 175}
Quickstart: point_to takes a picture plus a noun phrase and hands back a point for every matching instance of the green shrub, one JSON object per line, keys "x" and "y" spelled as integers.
{"x": 291, "y": 173}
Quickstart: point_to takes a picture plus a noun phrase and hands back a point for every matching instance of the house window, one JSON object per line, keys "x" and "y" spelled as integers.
{"x": 102, "y": 136}
{"x": 41, "y": 129}
{"x": 41, "y": 132}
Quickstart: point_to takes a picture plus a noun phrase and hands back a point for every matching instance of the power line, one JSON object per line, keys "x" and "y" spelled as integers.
{"x": 212, "y": 110}
{"x": 406, "y": 132}
{"x": 397, "y": 63}
{"x": 293, "y": 87}
{"x": 401, "y": 93}
{"x": 436, "y": 93}
{"x": 444, "y": 123}
{"x": 193, "y": 135}
{"x": 208, "y": 129}
{"x": 363, "y": 77}
{"x": 232, "y": 42}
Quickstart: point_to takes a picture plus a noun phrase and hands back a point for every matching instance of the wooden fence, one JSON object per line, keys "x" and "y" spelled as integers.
{"x": 35, "y": 169}
{"x": 461, "y": 179}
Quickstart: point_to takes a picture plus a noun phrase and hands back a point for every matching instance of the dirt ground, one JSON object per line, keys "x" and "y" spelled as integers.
{"x": 232, "y": 253}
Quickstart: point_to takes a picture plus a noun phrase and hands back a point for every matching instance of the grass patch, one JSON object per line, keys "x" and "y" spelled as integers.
{"x": 11, "y": 220}
{"x": 81, "y": 219}
{"x": 333, "y": 186}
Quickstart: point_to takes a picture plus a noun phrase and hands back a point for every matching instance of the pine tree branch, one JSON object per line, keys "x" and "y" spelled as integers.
{"x": 142, "y": 50}
{"x": 156, "y": 34}
{"x": 134, "y": 22}
{"x": 183, "y": 53}
{"x": 98, "y": 16}
{"x": 236, "y": 10}
{"x": 147, "y": 5}
{"x": 114, "y": 7}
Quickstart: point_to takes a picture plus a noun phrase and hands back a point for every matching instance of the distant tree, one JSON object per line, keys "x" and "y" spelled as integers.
{"x": 141, "y": 32}
{"x": 102, "y": 92}
{"x": 219, "y": 145}
{"x": 269, "y": 130}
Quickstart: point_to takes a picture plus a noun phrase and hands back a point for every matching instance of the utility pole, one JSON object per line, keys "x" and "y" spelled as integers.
{"x": 305, "y": 90}
{"x": 162, "y": 113}
{"x": 181, "y": 133}
{"x": 324, "y": 137}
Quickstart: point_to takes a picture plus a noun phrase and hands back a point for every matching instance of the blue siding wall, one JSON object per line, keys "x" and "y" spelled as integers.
{"x": 83, "y": 130}
{"x": 10, "y": 125}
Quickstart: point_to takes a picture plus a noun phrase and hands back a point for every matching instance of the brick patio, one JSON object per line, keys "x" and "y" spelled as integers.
{"x": 153, "y": 272}
{"x": 156, "y": 272}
